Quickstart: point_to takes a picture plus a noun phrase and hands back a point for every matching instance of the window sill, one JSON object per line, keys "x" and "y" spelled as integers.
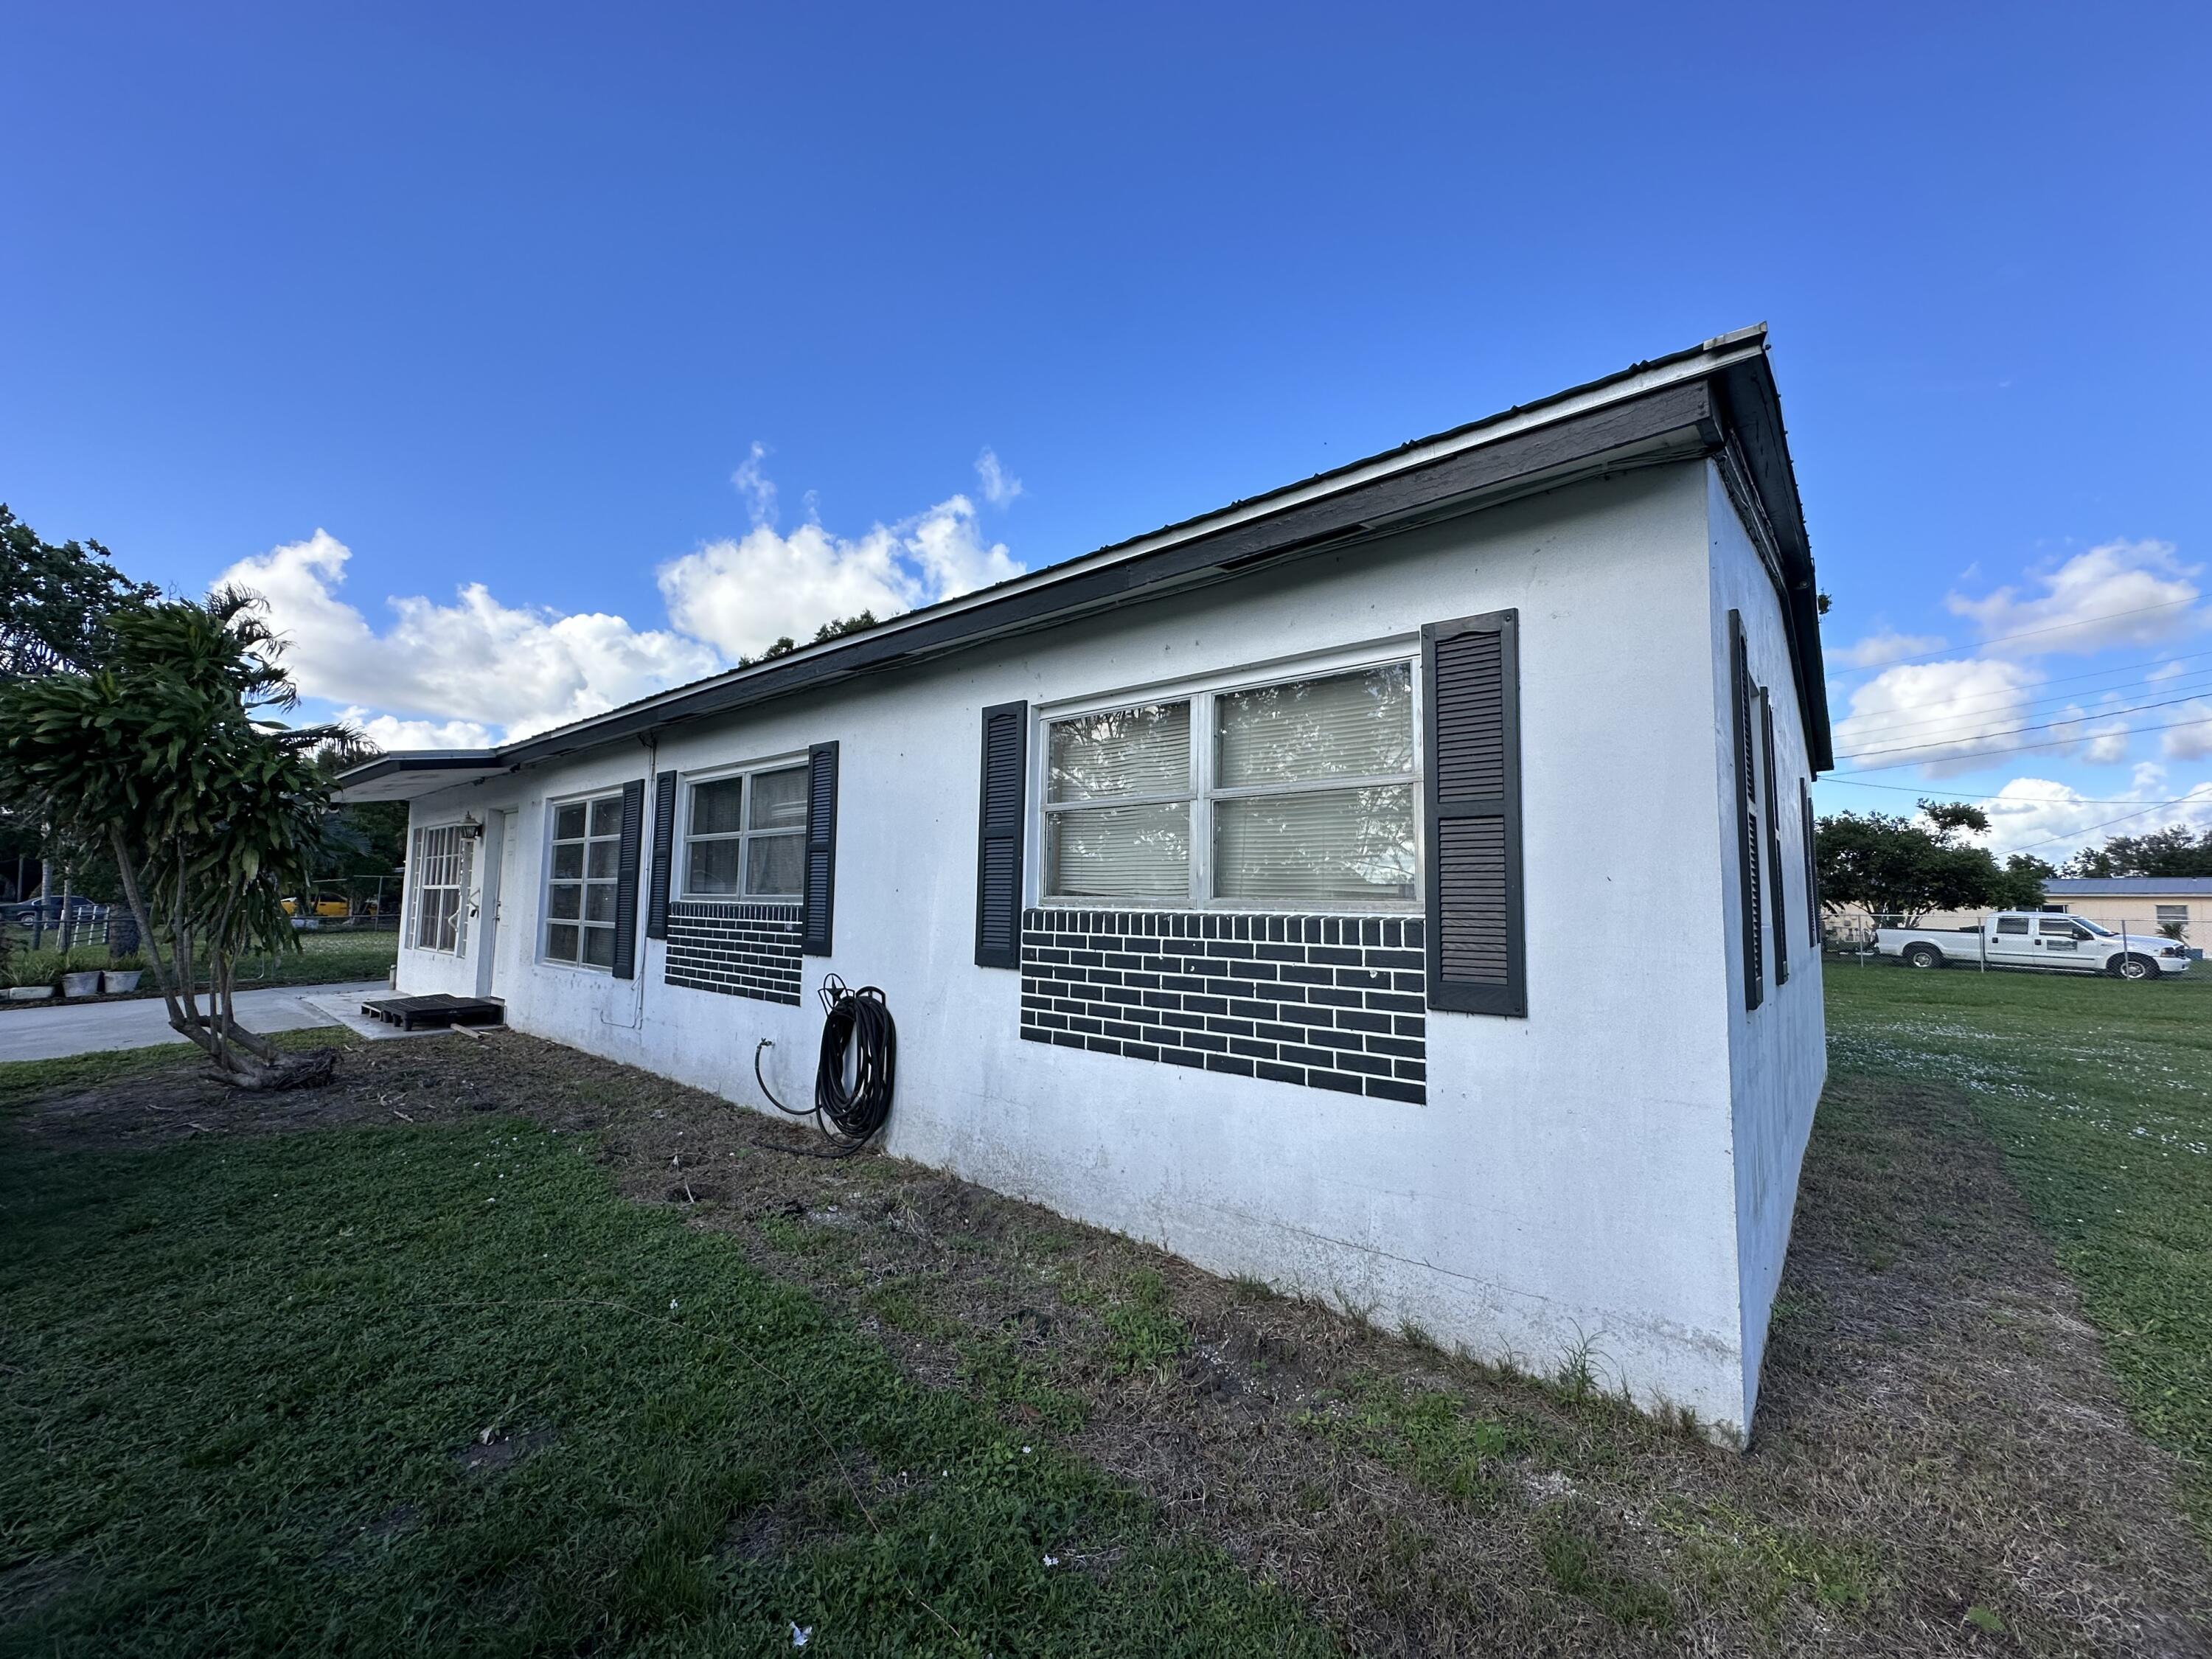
{"x": 1236, "y": 907}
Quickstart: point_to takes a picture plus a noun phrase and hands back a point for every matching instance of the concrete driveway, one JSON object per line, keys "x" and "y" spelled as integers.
{"x": 90, "y": 1027}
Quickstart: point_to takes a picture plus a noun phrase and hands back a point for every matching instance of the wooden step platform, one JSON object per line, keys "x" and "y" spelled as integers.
{"x": 416, "y": 1013}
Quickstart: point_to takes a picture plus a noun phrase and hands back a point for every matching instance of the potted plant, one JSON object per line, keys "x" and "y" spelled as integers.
{"x": 81, "y": 971}
{"x": 121, "y": 973}
{"x": 30, "y": 974}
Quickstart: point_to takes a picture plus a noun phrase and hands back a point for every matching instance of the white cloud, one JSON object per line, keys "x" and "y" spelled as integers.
{"x": 2106, "y": 744}
{"x": 2052, "y": 820}
{"x": 1929, "y": 713}
{"x": 387, "y": 733}
{"x": 1000, "y": 486}
{"x": 743, "y": 595}
{"x": 1879, "y": 650}
{"x": 2190, "y": 742}
{"x": 476, "y": 660}
{"x": 752, "y": 482}
{"x": 2167, "y": 671}
{"x": 2121, "y": 593}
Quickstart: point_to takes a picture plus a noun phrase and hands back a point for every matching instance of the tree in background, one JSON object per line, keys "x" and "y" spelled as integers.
{"x": 2172, "y": 850}
{"x": 823, "y": 635}
{"x": 212, "y": 812}
{"x": 53, "y": 598}
{"x": 1906, "y": 867}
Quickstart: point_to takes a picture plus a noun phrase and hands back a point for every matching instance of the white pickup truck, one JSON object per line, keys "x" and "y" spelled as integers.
{"x": 2036, "y": 938}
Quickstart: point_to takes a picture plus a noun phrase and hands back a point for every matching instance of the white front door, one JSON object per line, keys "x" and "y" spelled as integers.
{"x": 498, "y": 854}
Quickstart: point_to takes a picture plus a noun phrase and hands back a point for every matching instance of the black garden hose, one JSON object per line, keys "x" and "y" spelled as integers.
{"x": 858, "y": 1022}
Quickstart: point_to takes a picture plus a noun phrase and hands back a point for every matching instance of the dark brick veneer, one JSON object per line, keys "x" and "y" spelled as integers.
{"x": 1330, "y": 1002}
{"x": 738, "y": 950}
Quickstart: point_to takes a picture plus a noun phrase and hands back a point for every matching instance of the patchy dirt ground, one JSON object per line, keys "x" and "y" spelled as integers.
{"x": 1942, "y": 1464}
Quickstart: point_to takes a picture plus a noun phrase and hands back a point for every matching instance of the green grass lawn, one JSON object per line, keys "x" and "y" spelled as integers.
{"x": 2100, "y": 1094}
{"x": 248, "y": 1385}
{"x": 322, "y": 959}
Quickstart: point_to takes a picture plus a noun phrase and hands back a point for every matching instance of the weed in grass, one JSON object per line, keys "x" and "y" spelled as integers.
{"x": 1429, "y": 1435}
{"x": 1143, "y": 1332}
{"x": 894, "y": 1303}
{"x": 1768, "y": 1565}
{"x": 994, "y": 1367}
{"x": 1578, "y": 1559}
{"x": 1578, "y": 1376}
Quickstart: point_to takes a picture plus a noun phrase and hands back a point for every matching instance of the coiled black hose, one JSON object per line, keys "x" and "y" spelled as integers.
{"x": 859, "y": 1023}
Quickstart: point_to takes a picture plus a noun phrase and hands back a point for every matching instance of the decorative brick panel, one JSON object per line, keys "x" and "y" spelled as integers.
{"x": 1327, "y": 1002}
{"x": 738, "y": 950}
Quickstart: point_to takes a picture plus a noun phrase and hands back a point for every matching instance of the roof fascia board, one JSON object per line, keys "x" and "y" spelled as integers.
{"x": 1693, "y": 364}
{"x": 1680, "y": 420}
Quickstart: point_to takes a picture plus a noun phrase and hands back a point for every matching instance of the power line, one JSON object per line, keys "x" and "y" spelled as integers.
{"x": 2040, "y": 725}
{"x": 1844, "y": 780}
{"x": 1882, "y": 723}
{"x": 1995, "y": 754}
{"x": 2070, "y": 835}
{"x": 2029, "y": 633}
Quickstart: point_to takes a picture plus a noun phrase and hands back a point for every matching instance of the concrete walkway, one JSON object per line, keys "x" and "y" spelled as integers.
{"x": 91, "y": 1027}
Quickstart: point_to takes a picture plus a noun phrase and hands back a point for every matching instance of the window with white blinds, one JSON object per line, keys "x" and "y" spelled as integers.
{"x": 1299, "y": 793}
{"x": 441, "y": 872}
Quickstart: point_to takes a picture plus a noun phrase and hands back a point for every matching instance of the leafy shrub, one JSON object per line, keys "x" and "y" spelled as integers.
{"x": 33, "y": 967}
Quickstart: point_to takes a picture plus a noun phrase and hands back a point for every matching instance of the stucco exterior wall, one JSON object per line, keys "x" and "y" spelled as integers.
{"x": 1778, "y": 1053}
{"x": 1572, "y": 1177}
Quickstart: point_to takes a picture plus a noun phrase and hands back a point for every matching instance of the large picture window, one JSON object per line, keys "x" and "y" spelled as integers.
{"x": 1298, "y": 794}
{"x": 746, "y": 836}
{"x": 441, "y": 869}
{"x": 580, "y": 883}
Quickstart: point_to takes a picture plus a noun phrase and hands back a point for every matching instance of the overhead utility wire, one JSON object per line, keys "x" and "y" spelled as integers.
{"x": 2029, "y": 633}
{"x": 1963, "y": 795}
{"x": 2071, "y": 834}
{"x": 1998, "y": 754}
{"x": 2036, "y": 726}
{"x": 1901, "y": 718}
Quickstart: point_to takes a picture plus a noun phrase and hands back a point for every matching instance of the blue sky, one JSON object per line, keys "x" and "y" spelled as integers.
{"x": 622, "y": 341}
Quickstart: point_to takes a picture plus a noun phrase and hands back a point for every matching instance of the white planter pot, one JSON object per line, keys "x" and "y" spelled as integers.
{"x": 110, "y": 981}
{"x": 81, "y": 985}
{"x": 29, "y": 993}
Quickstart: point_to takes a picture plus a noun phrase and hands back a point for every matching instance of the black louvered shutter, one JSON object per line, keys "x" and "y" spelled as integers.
{"x": 626, "y": 862}
{"x": 1812, "y": 864}
{"x": 1776, "y": 897}
{"x": 664, "y": 849}
{"x": 1470, "y": 675}
{"x": 819, "y": 900}
{"x": 1746, "y": 815}
{"x": 999, "y": 836}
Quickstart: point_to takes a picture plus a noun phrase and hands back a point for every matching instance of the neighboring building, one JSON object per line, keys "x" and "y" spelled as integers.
{"x": 2146, "y": 904}
{"x": 1395, "y": 887}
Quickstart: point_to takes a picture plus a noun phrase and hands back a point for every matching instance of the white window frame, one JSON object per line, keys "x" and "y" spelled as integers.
{"x": 420, "y": 854}
{"x": 1200, "y": 691}
{"x": 546, "y": 920}
{"x": 680, "y": 884}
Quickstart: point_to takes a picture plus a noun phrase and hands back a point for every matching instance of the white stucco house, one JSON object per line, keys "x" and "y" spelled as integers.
{"x": 1395, "y": 886}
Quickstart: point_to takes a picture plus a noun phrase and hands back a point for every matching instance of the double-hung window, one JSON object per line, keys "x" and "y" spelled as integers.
{"x": 580, "y": 885}
{"x": 442, "y": 883}
{"x": 746, "y": 836}
{"x": 1298, "y": 793}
